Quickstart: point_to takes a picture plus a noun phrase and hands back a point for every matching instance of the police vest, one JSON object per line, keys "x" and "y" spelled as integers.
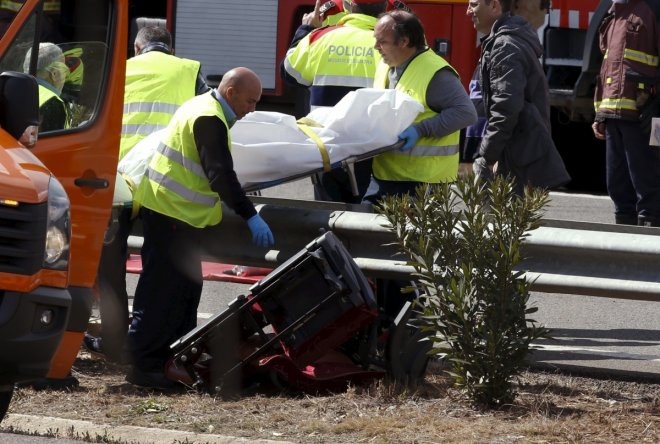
{"x": 45, "y": 94}
{"x": 341, "y": 55}
{"x": 432, "y": 159}
{"x": 174, "y": 183}
{"x": 156, "y": 85}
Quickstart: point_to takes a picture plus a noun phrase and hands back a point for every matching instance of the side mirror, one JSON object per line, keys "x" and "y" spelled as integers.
{"x": 19, "y": 106}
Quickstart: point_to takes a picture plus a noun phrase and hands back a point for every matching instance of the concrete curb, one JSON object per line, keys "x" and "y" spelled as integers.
{"x": 91, "y": 432}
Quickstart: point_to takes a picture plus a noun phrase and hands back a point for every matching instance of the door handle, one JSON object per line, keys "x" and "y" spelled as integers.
{"x": 92, "y": 183}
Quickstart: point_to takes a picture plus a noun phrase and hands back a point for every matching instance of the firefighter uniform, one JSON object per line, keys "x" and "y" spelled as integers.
{"x": 432, "y": 159}
{"x": 156, "y": 85}
{"x": 628, "y": 83}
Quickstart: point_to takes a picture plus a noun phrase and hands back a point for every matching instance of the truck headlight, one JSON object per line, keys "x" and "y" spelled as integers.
{"x": 58, "y": 234}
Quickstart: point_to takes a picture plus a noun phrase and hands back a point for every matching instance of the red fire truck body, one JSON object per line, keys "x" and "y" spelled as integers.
{"x": 257, "y": 33}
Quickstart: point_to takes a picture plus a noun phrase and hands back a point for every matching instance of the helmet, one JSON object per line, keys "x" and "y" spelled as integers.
{"x": 330, "y": 8}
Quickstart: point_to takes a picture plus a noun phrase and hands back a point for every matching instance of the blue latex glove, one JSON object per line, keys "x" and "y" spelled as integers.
{"x": 411, "y": 136}
{"x": 261, "y": 234}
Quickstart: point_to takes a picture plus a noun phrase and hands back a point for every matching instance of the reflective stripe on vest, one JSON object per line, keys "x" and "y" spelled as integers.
{"x": 351, "y": 81}
{"x": 179, "y": 189}
{"x": 140, "y": 129}
{"x": 432, "y": 159}
{"x": 156, "y": 85}
{"x": 175, "y": 183}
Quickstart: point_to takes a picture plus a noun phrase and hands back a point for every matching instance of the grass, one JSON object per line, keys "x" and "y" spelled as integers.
{"x": 550, "y": 408}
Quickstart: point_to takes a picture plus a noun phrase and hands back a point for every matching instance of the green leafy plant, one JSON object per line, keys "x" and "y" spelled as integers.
{"x": 464, "y": 242}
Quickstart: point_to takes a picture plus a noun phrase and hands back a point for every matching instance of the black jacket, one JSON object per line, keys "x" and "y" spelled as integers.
{"x": 515, "y": 93}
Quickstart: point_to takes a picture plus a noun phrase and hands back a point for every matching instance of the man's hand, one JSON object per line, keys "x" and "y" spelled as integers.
{"x": 481, "y": 168}
{"x": 261, "y": 234}
{"x": 411, "y": 136}
{"x": 599, "y": 130}
{"x": 313, "y": 18}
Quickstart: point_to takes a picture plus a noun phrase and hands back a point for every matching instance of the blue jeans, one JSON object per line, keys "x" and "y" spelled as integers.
{"x": 633, "y": 170}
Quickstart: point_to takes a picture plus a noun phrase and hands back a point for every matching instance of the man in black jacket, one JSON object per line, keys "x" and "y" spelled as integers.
{"x": 515, "y": 92}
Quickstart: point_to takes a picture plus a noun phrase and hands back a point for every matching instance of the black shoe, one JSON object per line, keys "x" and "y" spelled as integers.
{"x": 66, "y": 383}
{"x": 154, "y": 380}
{"x": 93, "y": 344}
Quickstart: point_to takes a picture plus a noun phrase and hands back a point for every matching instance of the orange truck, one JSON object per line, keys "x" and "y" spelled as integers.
{"x": 55, "y": 197}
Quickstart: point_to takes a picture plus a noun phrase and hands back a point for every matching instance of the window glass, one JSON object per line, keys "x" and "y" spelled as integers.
{"x": 65, "y": 48}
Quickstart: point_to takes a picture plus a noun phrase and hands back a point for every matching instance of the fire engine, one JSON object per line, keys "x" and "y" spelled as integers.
{"x": 257, "y": 34}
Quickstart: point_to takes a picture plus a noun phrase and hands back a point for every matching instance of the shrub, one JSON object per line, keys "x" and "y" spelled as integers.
{"x": 464, "y": 242}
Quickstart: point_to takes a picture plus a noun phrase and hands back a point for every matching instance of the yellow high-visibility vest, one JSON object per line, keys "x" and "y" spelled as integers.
{"x": 175, "y": 183}
{"x": 432, "y": 159}
{"x": 156, "y": 85}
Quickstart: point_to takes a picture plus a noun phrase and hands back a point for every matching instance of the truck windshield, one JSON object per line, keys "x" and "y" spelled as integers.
{"x": 65, "y": 47}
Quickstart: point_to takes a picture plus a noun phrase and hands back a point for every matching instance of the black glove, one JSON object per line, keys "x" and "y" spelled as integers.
{"x": 481, "y": 168}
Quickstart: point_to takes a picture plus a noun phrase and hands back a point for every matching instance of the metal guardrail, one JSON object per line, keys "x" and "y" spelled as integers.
{"x": 562, "y": 256}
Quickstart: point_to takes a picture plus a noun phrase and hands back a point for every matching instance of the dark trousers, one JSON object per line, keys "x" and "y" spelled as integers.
{"x": 168, "y": 291}
{"x": 633, "y": 170}
{"x": 388, "y": 291}
{"x": 111, "y": 283}
{"x": 335, "y": 185}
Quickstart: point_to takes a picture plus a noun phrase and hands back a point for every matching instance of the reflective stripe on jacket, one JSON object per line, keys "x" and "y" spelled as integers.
{"x": 175, "y": 183}
{"x": 433, "y": 159}
{"x": 156, "y": 85}
{"x": 630, "y": 42}
{"x": 45, "y": 94}
{"x": 341, "y": 55}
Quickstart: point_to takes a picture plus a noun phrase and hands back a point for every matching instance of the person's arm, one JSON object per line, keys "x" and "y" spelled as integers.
{"x": 446, "y": 96}
{"x": 200, "y": 84}
{"x": 211, "y": 139}
{"x": 507, "y": 79}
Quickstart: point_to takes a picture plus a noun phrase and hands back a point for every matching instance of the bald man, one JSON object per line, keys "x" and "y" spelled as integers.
{"x": 179, "y": 195}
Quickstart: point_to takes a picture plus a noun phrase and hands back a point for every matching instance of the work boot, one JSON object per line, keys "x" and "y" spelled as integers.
{"x": 93, "y": 344}
{"x": 625, "y": 219}
{"x": 65, "y": 384}
{"x": 150, "y": 379}
{"x": 648, "y": 221}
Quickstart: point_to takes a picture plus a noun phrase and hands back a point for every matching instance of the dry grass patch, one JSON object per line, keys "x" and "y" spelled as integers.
{"x": 549, "y": 408}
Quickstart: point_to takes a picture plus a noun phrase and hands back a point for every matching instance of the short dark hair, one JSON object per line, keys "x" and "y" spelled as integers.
{"x": 372, "y": 9}
{"x": 407, "y": 24}
{"x": 153, "y": 34}
{"x": 506, "y": 4}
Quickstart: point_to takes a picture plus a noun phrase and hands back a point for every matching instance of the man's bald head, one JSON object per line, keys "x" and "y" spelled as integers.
{"x": 241, "y": 88}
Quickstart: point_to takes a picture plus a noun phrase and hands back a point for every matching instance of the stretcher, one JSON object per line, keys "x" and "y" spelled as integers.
{"x": 311, "y": 325}
{"x": 270, "y": 148}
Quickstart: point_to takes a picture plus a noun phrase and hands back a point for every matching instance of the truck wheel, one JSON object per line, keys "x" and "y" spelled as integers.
{"x": 6, "y": 393}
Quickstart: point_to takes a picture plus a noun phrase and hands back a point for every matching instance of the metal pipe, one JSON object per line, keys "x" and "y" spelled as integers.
{"x": 561, "y": 257}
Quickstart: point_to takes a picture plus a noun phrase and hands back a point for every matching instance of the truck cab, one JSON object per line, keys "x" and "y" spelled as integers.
{"x": 56, "y": 196}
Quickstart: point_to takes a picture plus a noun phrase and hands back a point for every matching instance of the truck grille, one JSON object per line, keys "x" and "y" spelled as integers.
{"x": 22, "y": 238}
